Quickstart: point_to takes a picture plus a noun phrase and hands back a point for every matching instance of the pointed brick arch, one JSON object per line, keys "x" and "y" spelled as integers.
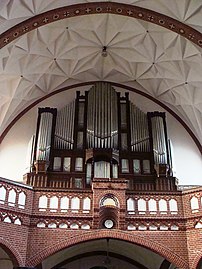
{"x": 137, "y": 238}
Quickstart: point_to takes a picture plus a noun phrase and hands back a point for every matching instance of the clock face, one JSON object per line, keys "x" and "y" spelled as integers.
{"x": 108, "y": 223}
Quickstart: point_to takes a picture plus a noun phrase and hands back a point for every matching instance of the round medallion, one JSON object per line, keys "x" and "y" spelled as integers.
{"x": 108, "y": 223}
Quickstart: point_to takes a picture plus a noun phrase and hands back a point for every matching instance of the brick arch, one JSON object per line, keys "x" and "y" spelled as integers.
{"x": 197, "y": 261}
{"x": 109, "y": 194}
{"x": 12, "y": 252}
{"x": 141, "y": 240}
{"x": 83, "y": 9}
{"x": 112, "y": 196}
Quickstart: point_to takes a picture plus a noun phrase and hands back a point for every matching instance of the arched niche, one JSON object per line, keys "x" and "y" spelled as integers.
{"x": 7, "y": 258}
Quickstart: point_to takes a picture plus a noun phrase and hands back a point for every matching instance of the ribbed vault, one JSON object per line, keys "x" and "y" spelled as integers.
{"x": 156, "y": 59}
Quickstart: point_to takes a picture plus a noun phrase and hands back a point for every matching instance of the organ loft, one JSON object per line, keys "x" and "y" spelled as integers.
{"x": 101, "y": 135}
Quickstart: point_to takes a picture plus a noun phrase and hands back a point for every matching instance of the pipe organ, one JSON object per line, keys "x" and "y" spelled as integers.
{"x": 101, "y": 134}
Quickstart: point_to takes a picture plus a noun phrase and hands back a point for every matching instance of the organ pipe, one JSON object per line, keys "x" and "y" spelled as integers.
{"x": 44, "y": 136}
{"x": 159, "y": 140}
{"x": 64, "y": 130}
{"x": 102, "y": 118}
{"x": 139, "y": 130}
{"x": 30, "y": 154}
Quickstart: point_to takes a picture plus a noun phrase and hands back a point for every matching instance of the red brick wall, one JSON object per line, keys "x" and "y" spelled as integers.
{"x": 171, "y": 245}
{"x": 194, "y": 244}
{"x": 14, "y": 237}
{"x": 194, "y": 236}
{"x": 30, "y": 244}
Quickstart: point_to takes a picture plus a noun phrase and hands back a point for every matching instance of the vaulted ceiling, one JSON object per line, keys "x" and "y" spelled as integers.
{"x": 152, "y": 46}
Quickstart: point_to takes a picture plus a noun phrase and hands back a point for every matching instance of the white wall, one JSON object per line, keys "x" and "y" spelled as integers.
{"x": 13, "y": 149}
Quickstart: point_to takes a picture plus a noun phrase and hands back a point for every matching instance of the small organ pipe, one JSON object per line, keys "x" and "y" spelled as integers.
{"x": 68, "y": 136}
{"x": 67, "y": 123}
{"x": 100, "y": 116}
{"x": 44, "y": 136}
{"x": 139, "y": 130}
{"x": 72, "y": 124}
{"x": 94, "y": 123}
{"x": 70, "y": 120}
{"x": 159, "y": 142}
{"x": 61, "y": 127}
{"x": 65, "y": 127}
{"x": 161, "y": 159}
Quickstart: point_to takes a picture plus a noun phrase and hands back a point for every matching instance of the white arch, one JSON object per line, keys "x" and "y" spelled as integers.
{"x": 54, "y": 203}
{"x": 2, "y": 194}
{"x": 64, "y": 204}
{"x": 43, "y": 203}
{"x": 141, "y": 203}
{"x": 131, "y": 206}
{"x": 152, "y": 206}
{"x": 163, "y": 206}
{"x": 173, "y": 206}
{"x": 75, "y": 204}
{"x": 194, "y": 204}
{"x": 12, "y": 197}
{"x": 21, "y": 200}
{"x": 86, "y": 204}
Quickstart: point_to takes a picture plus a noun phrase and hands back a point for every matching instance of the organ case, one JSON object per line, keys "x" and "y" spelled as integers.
{"x": 101, "y": 134}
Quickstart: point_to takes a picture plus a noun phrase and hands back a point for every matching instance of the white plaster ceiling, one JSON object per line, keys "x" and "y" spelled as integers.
{"x": 143, "y": 55}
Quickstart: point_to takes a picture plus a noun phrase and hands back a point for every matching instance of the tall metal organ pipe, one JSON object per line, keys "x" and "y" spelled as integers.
{"x": 102, "y": 118}
{"x": 159, "y": 142}
{"x": 44, "y": 136}
{"x": 64, "y": 130}
{"x": 139, "y": 130}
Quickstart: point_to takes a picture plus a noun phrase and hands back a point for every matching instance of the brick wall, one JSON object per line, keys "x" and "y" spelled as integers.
{"x": 172, "y": 245}
{"x": 31, "y": 244}
{"x": 14, "y": 237}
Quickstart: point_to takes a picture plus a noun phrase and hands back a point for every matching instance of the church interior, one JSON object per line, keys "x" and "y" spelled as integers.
{"x": 100, "y": 134}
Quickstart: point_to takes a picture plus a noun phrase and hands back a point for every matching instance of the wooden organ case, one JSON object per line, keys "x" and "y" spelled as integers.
{"x": 101, "y": 134}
